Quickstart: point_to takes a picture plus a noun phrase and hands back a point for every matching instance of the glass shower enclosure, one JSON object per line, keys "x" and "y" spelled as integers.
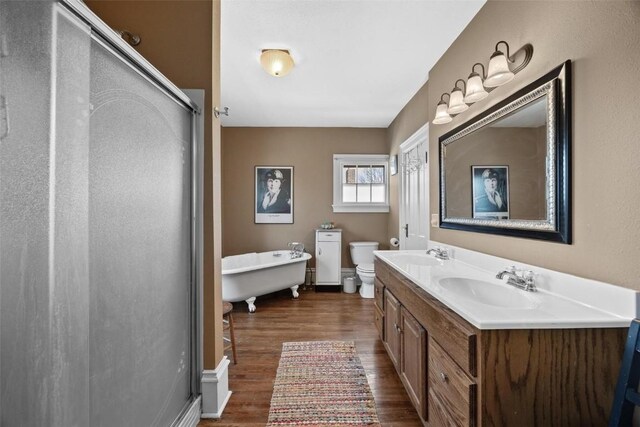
{"x": 98, "y": 243}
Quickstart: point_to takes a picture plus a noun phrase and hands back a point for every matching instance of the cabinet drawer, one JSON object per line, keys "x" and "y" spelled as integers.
{"x": 329, "y": 236}
{"x": 378, "y": 318}
{"x": 452, "y": 394}
{"x": 379, "y": 294}
{"x": 382, "y": 271}
{"x": 458, "y": 338}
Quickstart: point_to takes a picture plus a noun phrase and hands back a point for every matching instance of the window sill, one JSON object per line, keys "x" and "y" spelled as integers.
{"x": 360, "y": 208}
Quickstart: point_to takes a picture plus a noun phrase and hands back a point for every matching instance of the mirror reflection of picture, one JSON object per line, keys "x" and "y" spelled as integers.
{"x": 490, "y": 192}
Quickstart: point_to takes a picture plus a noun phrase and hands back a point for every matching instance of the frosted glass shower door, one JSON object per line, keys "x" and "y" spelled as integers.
{"x": 139, "y": 248}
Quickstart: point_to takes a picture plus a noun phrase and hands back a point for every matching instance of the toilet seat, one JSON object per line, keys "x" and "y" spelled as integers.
{"x": 365, "y": 268}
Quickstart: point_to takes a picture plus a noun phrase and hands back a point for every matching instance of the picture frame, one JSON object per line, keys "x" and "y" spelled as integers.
{"x": 490, "y": 191}
{"x": 273, "y": 197}
{"x": 393, "y": 164}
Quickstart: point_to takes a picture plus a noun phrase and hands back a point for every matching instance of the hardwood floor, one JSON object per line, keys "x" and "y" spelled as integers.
{"x": 315, "y": 316}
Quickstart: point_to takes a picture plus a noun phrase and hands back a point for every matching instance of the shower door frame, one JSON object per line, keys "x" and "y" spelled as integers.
{"x": 110, "y": 40}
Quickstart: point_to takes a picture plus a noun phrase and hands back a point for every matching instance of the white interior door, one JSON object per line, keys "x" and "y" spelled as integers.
{"x": 414, "y": 190}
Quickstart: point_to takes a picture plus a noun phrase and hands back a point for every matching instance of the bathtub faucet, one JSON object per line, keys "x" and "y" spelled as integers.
{"x": 296, "y": 249}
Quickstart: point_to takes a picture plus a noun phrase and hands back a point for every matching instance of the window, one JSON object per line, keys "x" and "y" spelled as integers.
{"x": 360, "y": 183}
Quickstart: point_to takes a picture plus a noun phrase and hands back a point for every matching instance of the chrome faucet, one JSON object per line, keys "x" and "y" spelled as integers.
{"x": 440, "y": 253}
{"x": 521, "y": 279}
{"x": 296, "y": 250}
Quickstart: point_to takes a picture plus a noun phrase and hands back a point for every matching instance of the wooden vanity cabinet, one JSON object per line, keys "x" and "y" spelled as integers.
{"x": 406, "y": 343}
{"x": 458, "y": 375}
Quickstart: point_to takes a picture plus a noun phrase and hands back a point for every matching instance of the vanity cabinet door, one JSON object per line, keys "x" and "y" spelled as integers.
{"x": 392, "y": 328}
{"x": 452, "y": 394}
{"x": 379, "y": 294}
{"x": 378, "y": 318}
{"x": 414, "y": 361}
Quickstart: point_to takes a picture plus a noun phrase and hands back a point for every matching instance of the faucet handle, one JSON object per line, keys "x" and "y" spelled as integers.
{"x": 529, "y": 276}
{"x": 529, "y": 281}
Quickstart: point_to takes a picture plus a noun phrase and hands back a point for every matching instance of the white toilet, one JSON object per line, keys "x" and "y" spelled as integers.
{"x": 362, "y": 257}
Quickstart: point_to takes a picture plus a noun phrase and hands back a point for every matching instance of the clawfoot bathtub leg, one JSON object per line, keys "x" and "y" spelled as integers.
{"x": 294, "y": 291}
{"x": 250, "y": 302}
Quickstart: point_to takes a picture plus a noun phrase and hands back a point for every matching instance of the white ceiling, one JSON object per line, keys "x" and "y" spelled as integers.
{"x": 358, "y": 62}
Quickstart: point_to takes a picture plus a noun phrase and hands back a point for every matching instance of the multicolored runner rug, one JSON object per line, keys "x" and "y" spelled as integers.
{"x": 321, "y": 383}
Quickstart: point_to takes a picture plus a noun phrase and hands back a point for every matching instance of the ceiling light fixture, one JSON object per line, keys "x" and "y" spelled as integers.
{"x": 277, "y": 62}
{"x": 501, "y": 70}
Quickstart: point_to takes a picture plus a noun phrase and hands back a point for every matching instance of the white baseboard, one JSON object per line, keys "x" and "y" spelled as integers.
{"x": 348, "y": 272}
{"x": 192, "y": 417}
{"x": 310, "y": 277}
{"x": 215, "y": 390}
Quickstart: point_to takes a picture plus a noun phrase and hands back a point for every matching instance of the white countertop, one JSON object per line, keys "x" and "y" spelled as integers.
{"x": 544, "y": 309}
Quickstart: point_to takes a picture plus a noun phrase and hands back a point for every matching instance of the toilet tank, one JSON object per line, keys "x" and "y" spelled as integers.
{"x": 362, "y": 252}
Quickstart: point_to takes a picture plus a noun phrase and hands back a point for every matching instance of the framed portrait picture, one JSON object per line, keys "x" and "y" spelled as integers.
{"x": 274, "y": 195}
{"x": 490, "y": 192}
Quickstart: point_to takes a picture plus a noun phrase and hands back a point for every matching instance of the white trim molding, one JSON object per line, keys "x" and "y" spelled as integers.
{"x": 418, "y": 136}
{"x": 360, "y": 208}
{"x": 358, "y": 159}
{"x": 347, "y": 272}
{"x": 344, "y": 272}
{"x": 215, "y": 390}
{"x": 192, "y": 417}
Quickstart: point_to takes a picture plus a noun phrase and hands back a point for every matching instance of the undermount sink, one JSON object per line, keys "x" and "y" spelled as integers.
{"x": 497, "y": 295}
{"x": 417, "y": 259}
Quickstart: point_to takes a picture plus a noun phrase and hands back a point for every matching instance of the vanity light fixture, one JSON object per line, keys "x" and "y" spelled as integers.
{"x": 499, "y": 71}
{"x": 456, "y": 103}
{"x": 442, "y": 116}
{"x": 277, "y": 62}
{"x": 475, "y": 90}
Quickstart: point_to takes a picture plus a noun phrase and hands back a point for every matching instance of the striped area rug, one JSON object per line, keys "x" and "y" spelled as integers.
{"x": 321, "y": 383}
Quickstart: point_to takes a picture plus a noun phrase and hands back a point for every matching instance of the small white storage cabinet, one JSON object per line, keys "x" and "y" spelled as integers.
{"x": 328, "y": 257}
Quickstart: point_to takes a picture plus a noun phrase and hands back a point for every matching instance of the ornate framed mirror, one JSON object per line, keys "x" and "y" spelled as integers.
{"x": 507, "y": 170}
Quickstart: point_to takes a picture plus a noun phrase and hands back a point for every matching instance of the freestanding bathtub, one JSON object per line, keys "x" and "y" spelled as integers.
{"x": 247, "y": 276}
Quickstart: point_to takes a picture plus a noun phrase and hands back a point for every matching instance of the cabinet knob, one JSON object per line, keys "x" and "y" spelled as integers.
{"x": 444, "y": 377}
